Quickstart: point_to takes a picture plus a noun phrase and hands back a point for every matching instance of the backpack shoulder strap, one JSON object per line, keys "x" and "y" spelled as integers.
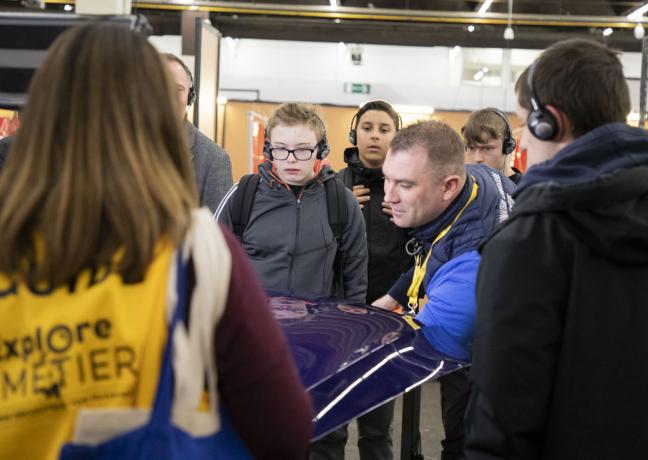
{"x": 346, "y": 176}
{"x": 337, "y": 207}
{"x": 243, "y": 200}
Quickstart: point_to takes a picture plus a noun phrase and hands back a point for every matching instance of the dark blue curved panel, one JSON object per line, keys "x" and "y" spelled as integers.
{"x": 353, "y": 358}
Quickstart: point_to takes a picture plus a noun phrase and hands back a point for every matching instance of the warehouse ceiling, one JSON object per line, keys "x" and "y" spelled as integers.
{"x": 536, "y": 24}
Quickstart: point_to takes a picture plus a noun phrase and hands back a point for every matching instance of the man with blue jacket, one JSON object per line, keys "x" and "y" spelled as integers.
{"x": 452, "y": 207}
{"x": 559, "y": 357}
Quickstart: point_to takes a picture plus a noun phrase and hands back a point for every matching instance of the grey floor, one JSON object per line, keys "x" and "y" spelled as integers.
{"x": 431, "y": 427}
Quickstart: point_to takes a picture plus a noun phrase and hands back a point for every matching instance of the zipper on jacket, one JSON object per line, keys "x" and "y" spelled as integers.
{"x": 298, "y": 225}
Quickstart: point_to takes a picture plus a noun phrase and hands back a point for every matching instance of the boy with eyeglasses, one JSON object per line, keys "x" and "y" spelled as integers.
{"x": 288, "y": 234}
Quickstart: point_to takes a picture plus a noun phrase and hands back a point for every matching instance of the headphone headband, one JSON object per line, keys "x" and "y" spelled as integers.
{"x": 508, "y": 143}
{"x": 533, "y": 98}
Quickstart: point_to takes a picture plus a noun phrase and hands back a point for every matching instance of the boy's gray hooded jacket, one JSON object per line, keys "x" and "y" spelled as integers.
{"x": 290, "y": 242}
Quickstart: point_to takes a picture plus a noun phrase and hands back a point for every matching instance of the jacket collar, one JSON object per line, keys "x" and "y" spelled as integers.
{"x": 352, "y": 159}
{"x": 267, "y": 173}
{"x": 606, "y": 149}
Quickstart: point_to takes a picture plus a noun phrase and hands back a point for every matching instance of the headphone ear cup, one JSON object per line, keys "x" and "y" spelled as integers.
{"x": 323, "y": 149}
{"x": 509, "y": 145}
{"x": 191, "y": 96}
{"x": 266, "y": 148}
{"x": 542, "y": 125}
{"x": 353, "y": 137}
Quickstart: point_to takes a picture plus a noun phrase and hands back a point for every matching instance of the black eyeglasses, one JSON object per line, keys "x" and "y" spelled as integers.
{"x": 300, "y": 154}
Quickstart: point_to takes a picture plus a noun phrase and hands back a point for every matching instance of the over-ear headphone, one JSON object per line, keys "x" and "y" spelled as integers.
{"x": 508, "y": 143}
{"x": 381, "y": 106}
{"x": 541, "y": 122}
{"x": 191, "y": 95}
{"x": 322, "y": 146}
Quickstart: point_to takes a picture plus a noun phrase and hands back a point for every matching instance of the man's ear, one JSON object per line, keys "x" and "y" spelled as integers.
{"x": 450, "y": 186}
{"x": 565, "y": 128}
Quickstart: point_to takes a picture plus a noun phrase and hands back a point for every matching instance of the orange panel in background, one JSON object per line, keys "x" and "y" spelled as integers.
{"x": 257, "y": 143}
{"x": 520, "y": 160}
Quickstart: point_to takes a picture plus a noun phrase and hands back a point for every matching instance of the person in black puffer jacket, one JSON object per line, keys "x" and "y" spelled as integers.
{"x": 372, "y": 129}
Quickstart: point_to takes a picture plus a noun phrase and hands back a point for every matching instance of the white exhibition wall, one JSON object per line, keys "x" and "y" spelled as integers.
{"x": 438, "y": 77}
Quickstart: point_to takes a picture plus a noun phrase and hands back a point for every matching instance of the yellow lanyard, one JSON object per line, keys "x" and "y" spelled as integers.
{"x": 421, "y": 265}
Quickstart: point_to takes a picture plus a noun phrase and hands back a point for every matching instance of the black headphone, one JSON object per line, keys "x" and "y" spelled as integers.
{"x": 191, "y": 95}
{"x": 381, "y": 106}
{"x": 322, "y": 146}
{"x": 508, "y": 143}
{"x": 541, "y": 122}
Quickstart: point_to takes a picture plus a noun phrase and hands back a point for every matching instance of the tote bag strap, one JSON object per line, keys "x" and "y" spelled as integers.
{"x": 161, "y": 411}
{"x": 193, "y": 346}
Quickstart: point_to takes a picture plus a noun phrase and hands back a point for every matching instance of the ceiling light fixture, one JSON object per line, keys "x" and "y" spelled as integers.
{"x": 484, "y": 7}
{"x": 638, "y": 13}
{"x": 639, "y": 31}
{"x": 508, "y": 32}
{"x": 480, "y": 73}
{"x": 68, "y": 8}
{"x": 471, "y": 28}
{"x": 607, "y": 32}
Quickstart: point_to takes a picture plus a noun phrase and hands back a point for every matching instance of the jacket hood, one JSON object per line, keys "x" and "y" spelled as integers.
{"x": 324, "y": 173}
{"x": 352, "y": 159}
{"x": 599, "y": 186}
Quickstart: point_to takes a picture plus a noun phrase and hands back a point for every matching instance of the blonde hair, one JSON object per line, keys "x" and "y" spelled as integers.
{"x": 297, "y": 113}
{"x": 100, "y": 164}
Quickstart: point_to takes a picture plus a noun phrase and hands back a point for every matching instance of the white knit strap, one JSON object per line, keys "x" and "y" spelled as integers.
{"x": 194, "y": 354}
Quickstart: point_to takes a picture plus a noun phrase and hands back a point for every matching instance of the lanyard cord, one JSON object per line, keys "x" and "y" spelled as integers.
{"x": 421, "y": 264}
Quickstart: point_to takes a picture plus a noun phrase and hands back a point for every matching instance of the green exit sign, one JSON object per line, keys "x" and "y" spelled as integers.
{"x": 357, "y": 88}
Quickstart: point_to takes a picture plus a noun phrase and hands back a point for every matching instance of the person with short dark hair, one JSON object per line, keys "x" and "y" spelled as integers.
{"x": 451, "y": 208}
{"x": 489, "y": 140}
{"x": 558, "y": 356}
{"x": 211, "y": 164}
{"x": 372, "y": 129}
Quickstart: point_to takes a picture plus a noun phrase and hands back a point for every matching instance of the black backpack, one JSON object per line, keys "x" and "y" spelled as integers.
{"x": 336, "y": 205}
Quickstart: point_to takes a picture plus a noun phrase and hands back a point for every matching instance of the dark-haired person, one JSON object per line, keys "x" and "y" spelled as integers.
{"x": 558, "y": 357}
{"x": 94, "y": 210}
{"x": 211, "y": 164}
{"x": 372, "y": 129}
{"x": 489, "y": 140}
{"x": 451, "y": 208}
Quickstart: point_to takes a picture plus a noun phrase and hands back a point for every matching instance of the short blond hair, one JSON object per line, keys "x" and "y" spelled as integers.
{"x": 297, "y": 113}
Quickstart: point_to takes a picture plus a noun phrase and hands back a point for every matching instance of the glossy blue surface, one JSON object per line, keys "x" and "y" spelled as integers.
{"x": 354, "y": 358}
